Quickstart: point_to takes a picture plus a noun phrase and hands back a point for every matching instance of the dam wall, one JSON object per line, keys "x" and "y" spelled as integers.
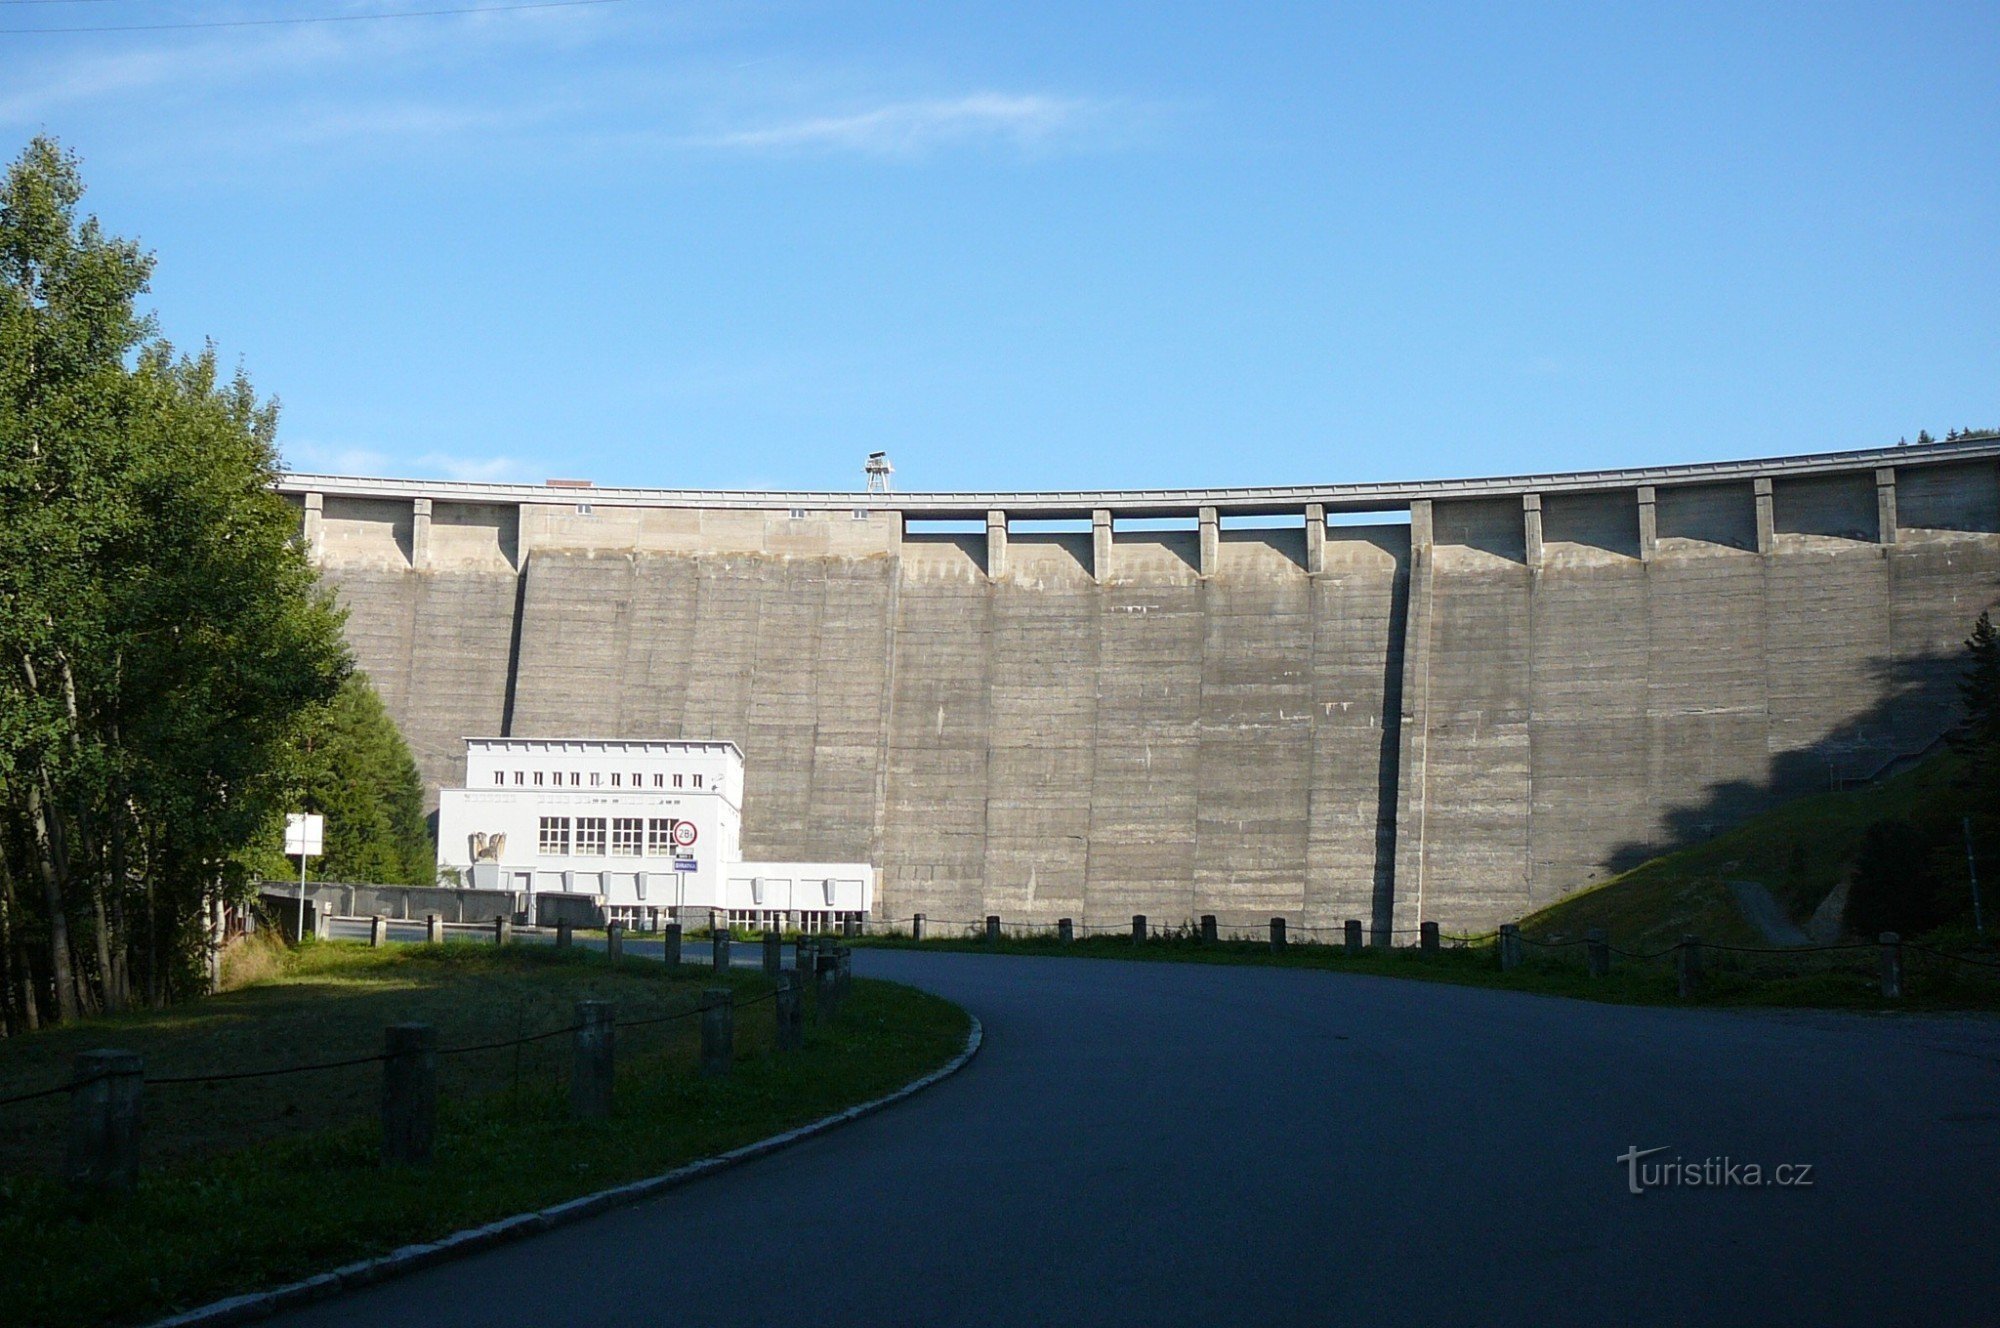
{"x": 1450, "y": 701}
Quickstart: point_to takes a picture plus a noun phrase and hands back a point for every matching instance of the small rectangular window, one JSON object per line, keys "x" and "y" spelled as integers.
{"x": 520, "y": 778}
{"x": 628, "y": 836}
{"x": 574, "y": 779}
{"x": 860, "y": 514}
{"x": 659, "y": 838}
{"x": 499, "y": 776}
{"x": 677, "y": 781}
{"x": 798, "y": 514}
{"x": 659, "y": 781}
{"x": 617, "y": 780}
{"x": 697, "y": 781}
{"x": 590, "y": 836}
{"x": 555, "y": 834}
{"x": 638, "y": 780}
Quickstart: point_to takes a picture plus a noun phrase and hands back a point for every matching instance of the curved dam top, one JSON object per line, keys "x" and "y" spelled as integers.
{"x": 1503, "y": 691}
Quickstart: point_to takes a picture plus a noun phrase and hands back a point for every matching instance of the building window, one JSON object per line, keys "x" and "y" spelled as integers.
{"x": 595, "y": 779}
{"x": 638, "y": 780}
{"x": 538, "y": 779}
{"x": 659, "y": 781}
{"x": 659, "y": 838}
{"x": 697, "y": 781}
{"x": 590, "y": 836}
{"x": 628, "y": 836}
{"x": 555, "y": 835}
{"x": 798, "y": 514}
{"x": 617, "y": 780}
{"x": 499, "y": 776}
{"x": 677, "y": 781}
{"x": 520, "y": 778}
{"x": 574, "y": 779}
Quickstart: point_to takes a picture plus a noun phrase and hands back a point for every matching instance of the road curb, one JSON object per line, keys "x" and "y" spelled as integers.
{"x": 412, "y": 1258}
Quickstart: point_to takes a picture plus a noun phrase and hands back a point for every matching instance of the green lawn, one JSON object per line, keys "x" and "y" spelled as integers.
{"x": 257, "y": 1182}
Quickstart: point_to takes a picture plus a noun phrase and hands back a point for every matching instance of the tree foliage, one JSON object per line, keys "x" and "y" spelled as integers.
{"x": 359, "y": 774}
{"x": 164, "y": 645}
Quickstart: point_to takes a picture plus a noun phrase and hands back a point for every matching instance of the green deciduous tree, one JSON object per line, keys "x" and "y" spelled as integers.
{"x": 164, "y": 645}
{"x": 359, "y": 774}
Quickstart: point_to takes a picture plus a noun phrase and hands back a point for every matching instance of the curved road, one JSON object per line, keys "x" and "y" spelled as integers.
{"x": 1156, "y": 1143}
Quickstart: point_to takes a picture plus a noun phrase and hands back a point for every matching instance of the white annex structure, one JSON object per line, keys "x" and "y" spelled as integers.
{"x": 651, "y": 829}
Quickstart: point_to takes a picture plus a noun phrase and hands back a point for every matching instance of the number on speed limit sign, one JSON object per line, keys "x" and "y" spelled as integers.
{"x": 684, "y": 833}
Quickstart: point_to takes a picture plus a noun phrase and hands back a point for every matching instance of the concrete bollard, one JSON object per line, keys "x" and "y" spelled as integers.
{"x": 1427, "y": 939}
{"x": 992, "y": 928}
{"x": 1065, "y": 930}
{"x": 791, "y": 1021}
{"x": 565, "y": 934}
{"x": 718, "y": 949}
{"x": 803, "y": 960}
{"x": 1139, "y": 927}
{"x": 105, "y": 1114}
{"x": 1687, "y": 966}
{"x": 671, "y": 946}
{"x": 851, "y": 928}
{"x": 1892, "y": 966}
{"x": 434, "y": 929}
{"x": 1597, "y": 952}
{"x": 1351, "y": 933}
{"x": 614, "y": 942}
{"x": 503, "y": 929}
{"x": 322, "y": 922}
{"x": 718, "y": 1031}
{"x": 409, "y": 1095}
{"x": 826, "y": 985}
{"x": 1277, "y": 935}
{"x": 1510, "y": 945}
{"x": 378, "y": 930}
{"x": 1208, "y": 929}
{"x": 591, "y": 1065}
{"x": 917, "y": 927}
{"x": 774, "y": 951}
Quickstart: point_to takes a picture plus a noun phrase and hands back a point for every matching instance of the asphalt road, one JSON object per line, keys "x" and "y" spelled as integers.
{"x": 1156, "y": 1143}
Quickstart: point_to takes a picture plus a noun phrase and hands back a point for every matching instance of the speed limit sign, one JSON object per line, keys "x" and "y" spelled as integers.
{"x": 684, "y": 833}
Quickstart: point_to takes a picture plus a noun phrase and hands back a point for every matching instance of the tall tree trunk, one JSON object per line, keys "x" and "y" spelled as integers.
{"x": 60, "y": 972}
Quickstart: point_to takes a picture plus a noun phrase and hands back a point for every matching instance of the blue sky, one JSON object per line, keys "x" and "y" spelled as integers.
{"x": 1052, "y": 246}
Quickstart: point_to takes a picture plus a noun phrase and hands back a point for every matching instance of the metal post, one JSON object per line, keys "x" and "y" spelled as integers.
{"x": 718, "y": 1031}
{"x": 565, "y": 934}
{"x": 1208, "y": 929}
{"x": 1892, "y": 966}
{"x": 671, "y": 946}
{"x": 718, "y": 949}
{"x": 917, "y": 927}
{"x": 302, "y": 896}
{"x": 1351, "y": 933}
{"x": 992, "y": 928}
{"x": 1277, "y": 935}
{"x": 378, "y": 930}
{"x": 1427, "y": 939}
{"x": 774, "y": 951}
{"x": 1510, "y": 945}
{"x": 1687, "y": 966}
{"x": 1139, "y": 927}
{"x": 409, "y": 1094}
{"x": 591, "y": 1064}
{"x": 791, "y": 1031}
{"x": 1065, "y": 930}
{"x": 105, "y": 1113}
{"x": 1597, "y": 950}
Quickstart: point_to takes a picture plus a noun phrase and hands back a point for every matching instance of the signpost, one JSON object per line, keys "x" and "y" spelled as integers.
{"x": 305, "y": 835}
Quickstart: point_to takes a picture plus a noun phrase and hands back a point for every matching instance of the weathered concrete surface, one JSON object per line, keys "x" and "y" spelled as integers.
{"x": 1531, "y": 684}
{"x": 1166, "y": 1144}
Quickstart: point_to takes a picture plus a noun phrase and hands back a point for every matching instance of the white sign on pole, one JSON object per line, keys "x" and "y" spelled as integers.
{"x": 305, "y": 834}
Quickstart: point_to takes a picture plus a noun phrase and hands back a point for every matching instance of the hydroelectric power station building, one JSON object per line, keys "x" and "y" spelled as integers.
{"x": 1452, "y": 700}
{"x": 650, "y": 831}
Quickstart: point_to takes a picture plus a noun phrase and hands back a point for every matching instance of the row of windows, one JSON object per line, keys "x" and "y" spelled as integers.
{"x": 630, "y": 836}
{"x": 555, "y": 777}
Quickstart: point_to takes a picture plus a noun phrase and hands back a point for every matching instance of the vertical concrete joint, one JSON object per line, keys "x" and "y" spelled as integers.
{"x": 1315, "y": 538}
{"x": 1649, "y": 523}
{"x": 1420, "y": 526}
{"x": 1100, "y": 545}
{"x": 1531, "y": 526}
{"x": 996, "y": 545}
{"x": 314, "y": 530}
{"x": 1767, "y": 537}
{"x": 1885, "y": 505}
{"x": 420, "y": 533}
{"x": 1211, "y": 536}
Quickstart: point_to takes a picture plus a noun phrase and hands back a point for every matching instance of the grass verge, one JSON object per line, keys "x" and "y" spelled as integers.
{"x": 1841, "y": 980}
{"x": 256, "y": 1182}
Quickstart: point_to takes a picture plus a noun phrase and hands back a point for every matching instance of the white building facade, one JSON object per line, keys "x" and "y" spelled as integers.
{"x": 652, "y": 830}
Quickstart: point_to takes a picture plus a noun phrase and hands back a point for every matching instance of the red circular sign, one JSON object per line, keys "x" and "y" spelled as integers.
{"x": 684, "y": 833}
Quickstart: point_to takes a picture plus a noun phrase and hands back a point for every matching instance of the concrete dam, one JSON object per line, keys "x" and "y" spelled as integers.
{"x": 1451, "y": 701}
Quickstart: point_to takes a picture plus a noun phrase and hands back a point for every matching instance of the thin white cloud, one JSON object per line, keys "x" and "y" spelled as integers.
{"x": 907, "y": 127}
{"x": 317, "y": 459}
